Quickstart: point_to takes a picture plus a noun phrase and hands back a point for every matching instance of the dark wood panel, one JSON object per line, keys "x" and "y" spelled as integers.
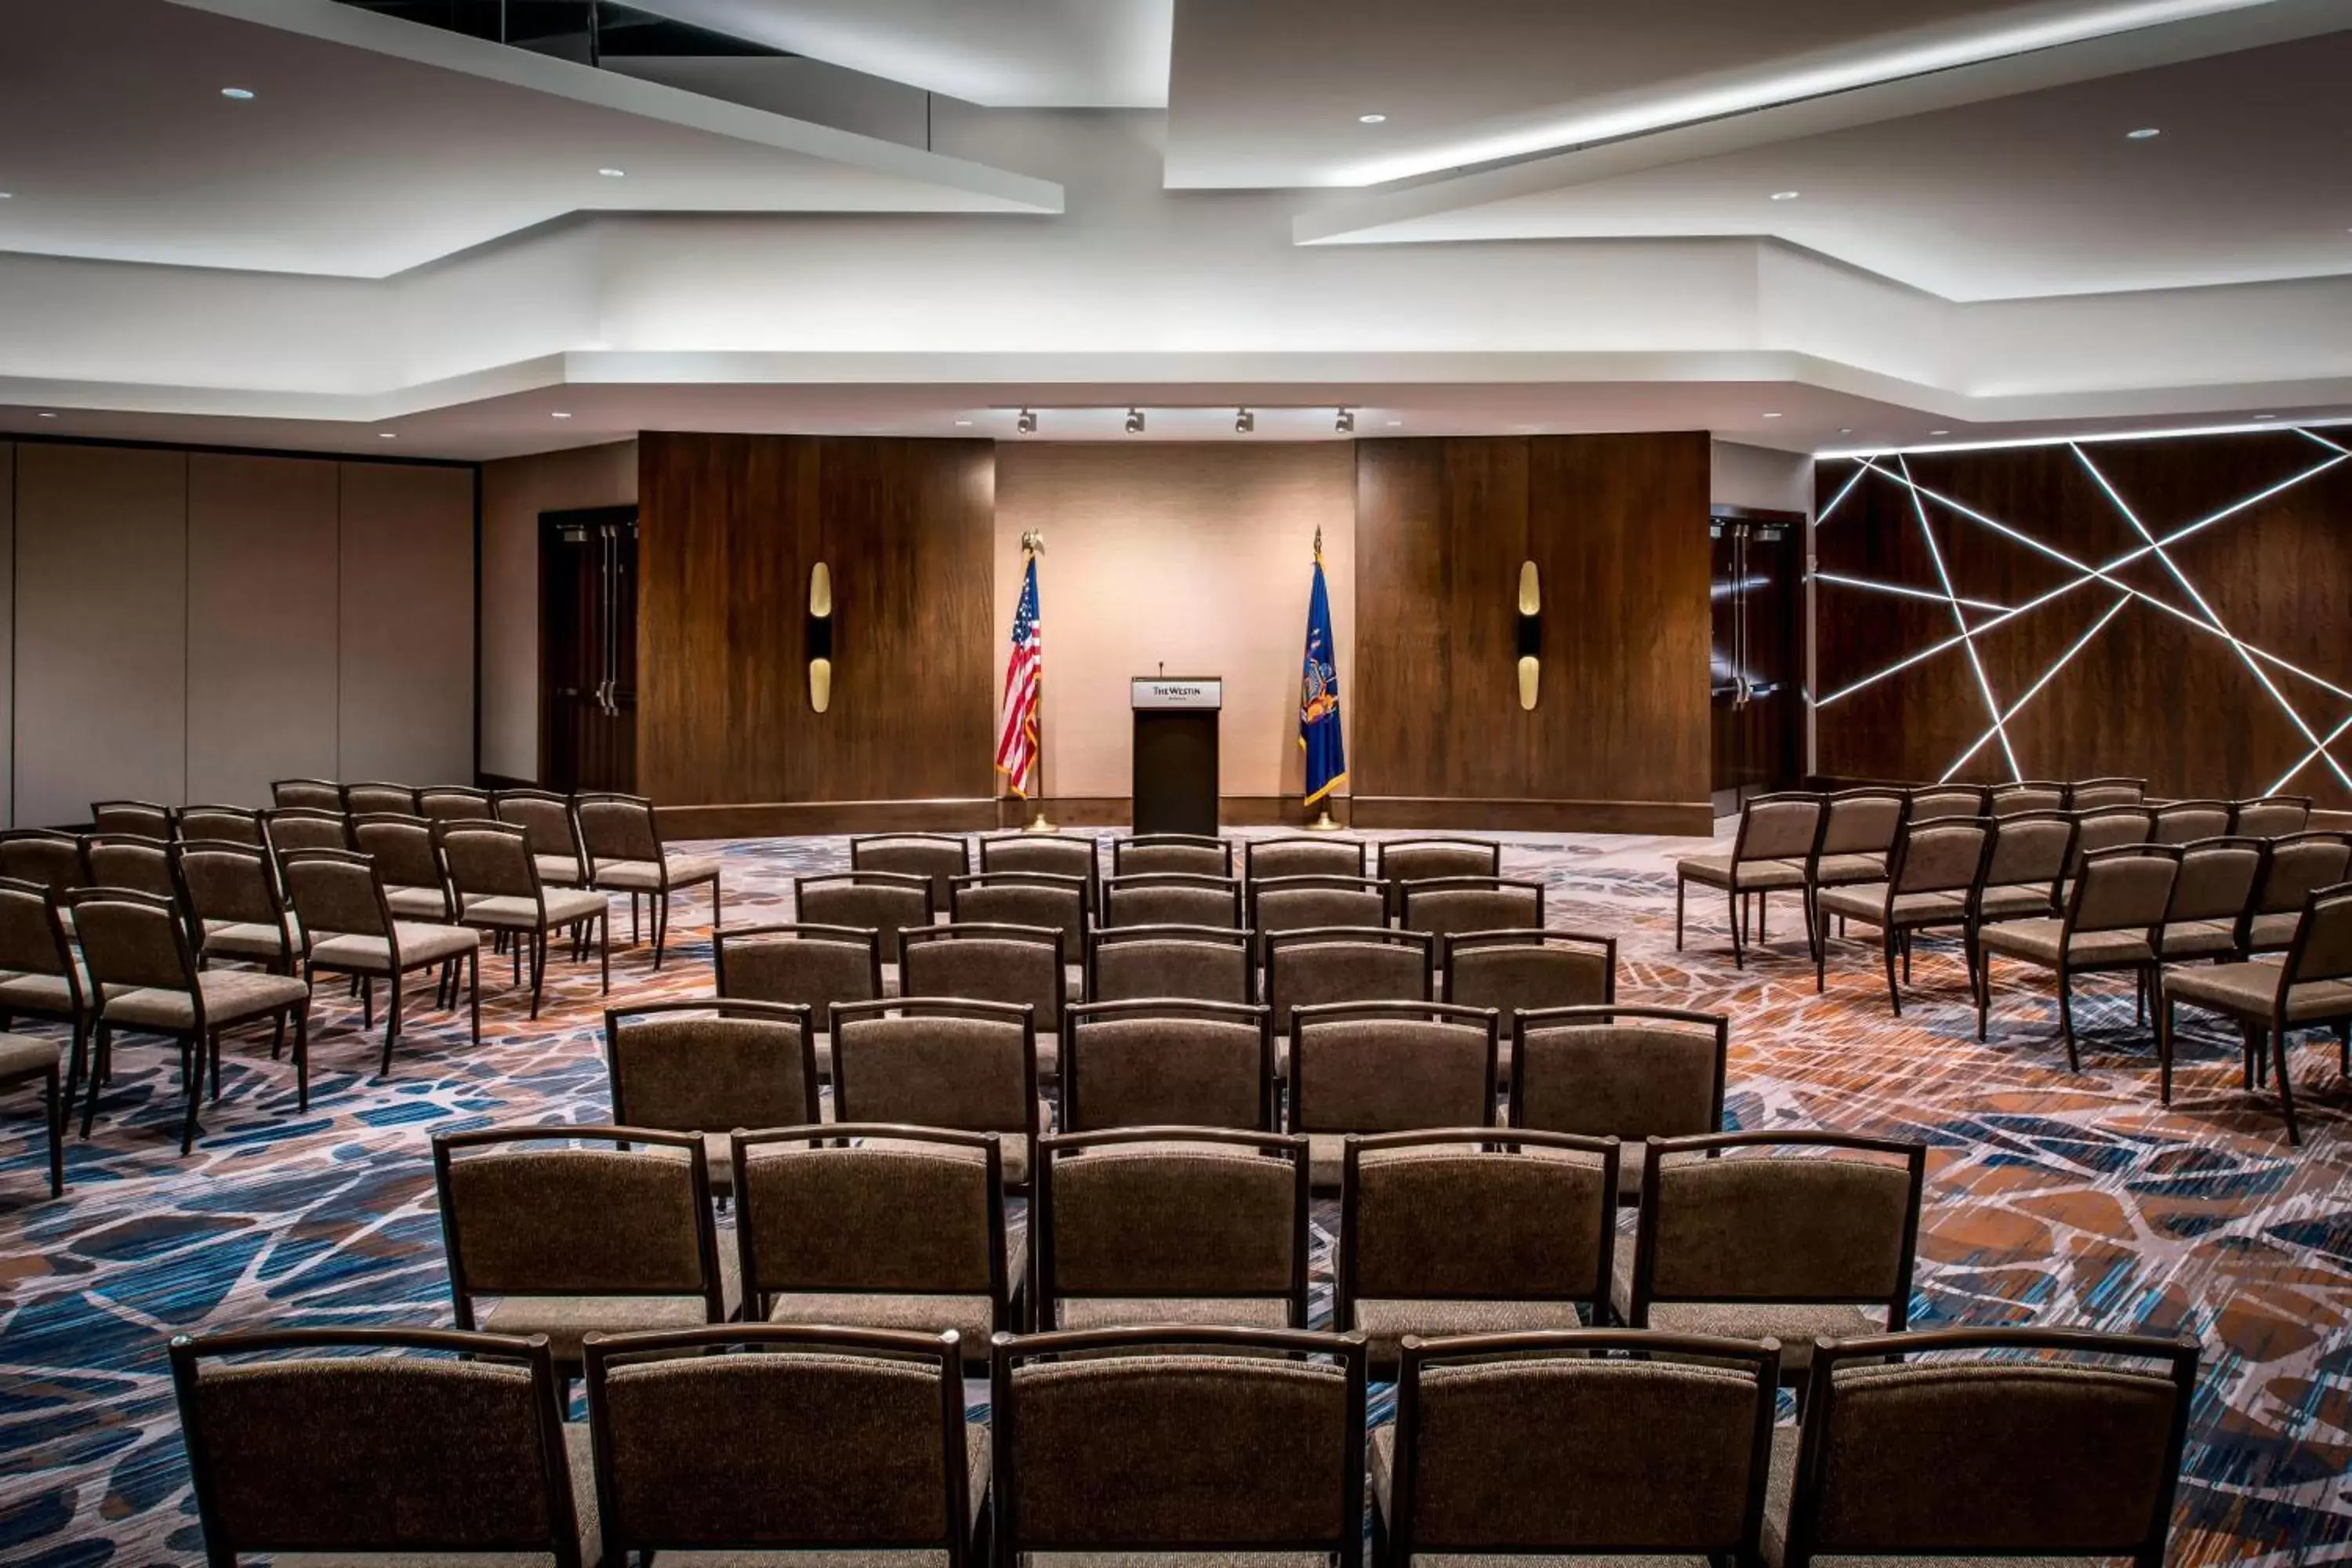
{"x": 1452, "y": 812}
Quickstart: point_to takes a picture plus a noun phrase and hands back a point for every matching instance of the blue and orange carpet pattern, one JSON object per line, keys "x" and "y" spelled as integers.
{"x": 2053, "y": 1197}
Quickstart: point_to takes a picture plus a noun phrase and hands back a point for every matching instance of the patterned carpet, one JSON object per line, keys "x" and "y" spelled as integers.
{"x": 2052, "y": 1198}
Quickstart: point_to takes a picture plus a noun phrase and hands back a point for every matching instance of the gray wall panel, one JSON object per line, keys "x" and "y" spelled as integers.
{"x": 406, "y": 705}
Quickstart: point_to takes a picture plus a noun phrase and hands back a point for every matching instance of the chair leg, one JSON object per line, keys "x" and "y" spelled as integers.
{"x": 715, "y": 906}
{"x": 191, "y": 1070}
{"x": 2165, "y": 1024}
{"x": 2285, "y": 1080}
{"x": 302, "y": 1056}
{"x": 101, "y": 1054}
{"x": 1817, "y": 933}
{"x": 1738, "y": 930}
{"x": 56, "y": 1103}
{"x": 1906, "y": 958}
{"x": 77, "y": 1064}
{"x": 538, "y": 968}
{"x": 367, "y": 1004}
{"x": 636, "y": 929}
{"x": 277, "y": 1037}
{"x": 473, "y": 991}
{"x": 1891, "y": 938}
{"x": 211, "y": 1059}
{"x": 2066, "y": 1018}
{"x": 661, "y": 923}
{"x": 1680, "y": 886}
{"x": 605, "y": 950}
{"x": 391, "y": 1022}
{"x": 1984, "y": 992}
{"x": 2139, "y": 996}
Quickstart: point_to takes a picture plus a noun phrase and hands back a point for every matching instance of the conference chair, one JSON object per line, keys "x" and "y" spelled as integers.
{"x": 2271, "y": 817}
{"x": 1166, "y": 1063}
{"x": 311, "y": 794}
{"x": 378, "y": 799}
{"x": 285, "y": 828}
{"x": 456, "y": 1445}
{"x": 1933, "y": 803}
{"x": 490, "y": 867}
{"x": 1171, "y": 898}
{"x": 941, "y": 856}
{"x": 57, "y": 861}
{"x": 1310, "y": 901}
{"x": 130, "y": 860}
{"x": 1856, "y": 837}
{"x": 1444, "y": 906}
{"x": 1388, "y": 1066}
{"x": 2028, "y": 795}
{"x": 2312, "y": 986}
{"x": 2095, "y": 794}
{"x": 1423, "y": 859}
{"x": 967, "y": 1066}
{"x": 2186, "y": 821}
{"x": 884, "y": 902}
{"x": 571, "y": 1240}
{"x": 1516, "y": 972}
{"x": 455, "y": 802}
{"x": 348, "y": 928}
{"x": 1351, "y": 964}
{"x": 402, "y": 848}
{"x": 1445, "y": 1232}
{"x": 25, "y": 1060}
{"x": 1303, "y": 855}
{"x": 1935, "y": 869}
{"x": 1023, "y": 965}
{"x": 1769, "y": 851}
{"x": 621, "y": 837}
{"x": 142, "y": 817}
{"x": 1575, "y": 1446}
{"x": 1252, "y": 1441}
{"x": 875, "y": 1225}
{"x": 759, "y": 1443}
{"x": 2295, "y": 867}
{"x": 1225, "y": 1212}
{"x": 1133, "y": 964}
{"x": 2024, "y": 870}
{"x": 221, "y": 825}
{"x": 231, "y": 897}
{"x": 40, "y": 977}
{"x": 707, "y": 1065}
{"x": 2107, "y": 827}
{"x": 2210, "y": 898}
{"x": 1056, "y": 854}
{"x": 1788, "y": 1236}
{"x": 142, "y": 971}
{"x": 547, "y": 819}
{"x": 1625, "y": 1072}
{"x": 1025, "y": 898}
{"x": 2005, "y": 1442}
{"x": 1193, "y": 854}
{"x": 2110, "y": 922}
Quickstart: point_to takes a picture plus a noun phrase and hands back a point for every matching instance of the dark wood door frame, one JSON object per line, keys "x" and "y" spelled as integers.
{"x": 1758, "y": 586}
{"x": 587, "y": 648}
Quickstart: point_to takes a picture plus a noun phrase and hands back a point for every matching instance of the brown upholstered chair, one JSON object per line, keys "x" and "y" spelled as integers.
{"x": 142, "y": 817}
{"x": 941, "y": 856}
{"x": 2095, "y": 794}
{"x": 554, "y": 832}
{"x": 1171, "y": 898}
{"x": 1933, "y": 803}
{"x": 1388, "y": 1066}
{"x": 2024, "y": 871}
{"x": 402, "y": 848}
{"x": 455, "y": 1447}
{"x": 310, "y": 794}
{"x": 1934, "y": 870}
{"x": 1166, "y": 1063}
{"x": 709, "y": 1066}
{"x": 136, "y": 953}
{"x": 2210, "y": 898}
{"x": 57, "y": 861}
{"x": 2295, "y": 867}
{"x": 378, "y": 799}
{"x": 1025, "y": 965}
{"x": 1099, "y": 1444}
{"x": 1316, "y": 902}
{"x": 1424, "y": 859}
{"x": 1057, "y": 854}
{"x": 1025, "y": 898}
{"x": 25, "y": 1060}
{"x": 231, "y": 894}
{"x": 1857, "y": 834}
{"x": 2112, "y": 914}
{"x": 969, "y": 1066}
{"x": 1582, "y": 1444}
{"x": 1135, "y": 964}
{"x": 2186, "y": 821}
{"x": 1444, "y": 906}
{"x": 884, "y": 902}
{"x": 571, "y": 1240}
{"x": 812, "y": 966}
{"x": 2271, "y": 817}
{"x": 2313, "y": 985}
{"x": 1623, "y": 1072}
{"x": 348, "y": 928}
{"x": 2105, "y": 828}
{"x": 1992, "y": 1450}
{"x": 39, "y": 975}
{"x": 1739, "y": 1239}
{"x": 490, "y": 867}
{"x": 1445, "y": 1232}
{"x": 1516, "y": 972}
{"x": 1771, "y": 851}
{"x": 289, "y": 827}
{"x": 1303, "y": 855}
{"x": 1347, "y": 963}
{"x": 1225, "y": 1212}
{"x": 2026, "y": 796}
{"x": 221, "y": 825}
{"x": 131, "y": 860}
{"x": 875, "y": 1225}
{"x": 1192, "y": 854}
{"x": 852, "y": 1446}
{"x": 455, "y": 802}
{"x": 621, "y": 839}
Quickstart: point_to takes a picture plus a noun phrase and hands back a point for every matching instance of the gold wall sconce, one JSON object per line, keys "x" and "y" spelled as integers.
{"x": 819, "y": 637}
{"x": 1530, "y": 635}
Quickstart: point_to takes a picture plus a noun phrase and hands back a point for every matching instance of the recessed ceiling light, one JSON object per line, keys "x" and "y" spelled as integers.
{"x": 559, "y": 414}
{"x": 615, "y": 174}
{"x": 239, "y": 93}
{"x": 1939, "y": 432}
{"x": 1394, "y": 423}
{"x": 47, "y": 414}
{"x": 386, "y": 435}
{"x": 2145, "y": 133}
{"x": 962, "y": 423}
{"x": 1786, "y": 195}
{"x": 1845, "y": 430}
{"x": 1771, "y": 416}
{"x": 1372, "y": 119}
{"x": 7, "y": 196}
{"x": 2266, "y": 416}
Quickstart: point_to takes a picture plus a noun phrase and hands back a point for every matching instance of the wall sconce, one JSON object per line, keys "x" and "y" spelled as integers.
{"x": 819, "y": 637}
{"x": 1530, "y": 634}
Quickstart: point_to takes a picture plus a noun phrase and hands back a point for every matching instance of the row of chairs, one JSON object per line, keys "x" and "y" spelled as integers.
{"x": 1220, "y": 1442}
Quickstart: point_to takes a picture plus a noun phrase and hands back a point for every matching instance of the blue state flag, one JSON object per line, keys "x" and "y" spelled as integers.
{"x": 1318, "y": 698}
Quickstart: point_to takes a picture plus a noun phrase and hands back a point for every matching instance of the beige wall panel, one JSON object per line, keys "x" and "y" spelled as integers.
{"x": 7, "y": 632}
{"x": 1197, "y": 556}
{"x": 262, "y": 592}
{"x": 405, "y": 711}
{"x": 101, "y": 628}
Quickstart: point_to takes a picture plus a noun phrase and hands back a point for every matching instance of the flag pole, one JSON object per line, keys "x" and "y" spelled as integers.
{"x": 1322, "y": 824}
{"x": 1032, "y": 544}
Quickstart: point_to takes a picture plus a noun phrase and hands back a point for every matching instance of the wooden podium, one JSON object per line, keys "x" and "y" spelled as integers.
{"x": 1175, "y": 787}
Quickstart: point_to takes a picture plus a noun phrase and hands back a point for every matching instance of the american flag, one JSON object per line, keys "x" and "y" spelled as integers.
{"x": 1016, "y": 742}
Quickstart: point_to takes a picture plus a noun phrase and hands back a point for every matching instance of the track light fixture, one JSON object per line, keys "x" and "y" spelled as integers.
{"x": 1346, "y": 423}
{"x": 1135, "y": 421}
{"x": 1027, "y": 423}
{"x": 1243, "y": 421}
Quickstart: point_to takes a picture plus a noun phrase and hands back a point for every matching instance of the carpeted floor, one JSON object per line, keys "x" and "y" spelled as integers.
{"x": 2051, "y": 1197}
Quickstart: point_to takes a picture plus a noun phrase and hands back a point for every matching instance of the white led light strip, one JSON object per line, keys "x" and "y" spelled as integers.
{"x": 1960, "y": 618}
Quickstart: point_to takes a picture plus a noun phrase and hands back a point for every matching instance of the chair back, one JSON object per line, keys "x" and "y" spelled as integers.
{"x": 2185, "y": 821}
{"x": 454, "y": 1446}
{"x": 941, "y": 856}
{"x": 1023, "y": 899}
{"x": 707, "y": 1440}
{"x": 1426, "y": 859}
{"x": 1226, "y": 1213}
{"x": 1448, "y": 1215}
{"x": 2323, "y": 943}
{"x": 1775, "y": 828}
{"x": 1019, "y": 965}
{"x": 57, "y": 861}
{"x": 1629, "y": 1073}
{"x": 228, "y": 882}
{"x": 401, "y": 847}
{"x": 708, "y": 1065}
{"x": 1313, "y": 902}
{"x": 545, "y": 817}
{"x": 2128, "y": 887}
{"x": 491, "y": 859}
{"x": 884, "y": 902}
{"x": 1932, "y": 802}
{"x": 812, "y": 966}
{"x": 1057, "y": 854}
{"x": 33, "y": 938}
{"x": 289, "y": 827}
{"x": 1101, "y": 1445}
{"x": 1859, "y": 821}
{"x": 869, "y": 1208}
{"x": 310, "y": 794}
{"x": 221, "y": 825}
{"x": 1392, "y": 1066}
{"x": 2010, "y": 1442}
{"x": 132, "y": 939}
{"x": 335, "y": 892}
{"x": 1167, "y": 1064}
{"x": 1195, "y": 854}
{"x": 1946, "y": 855}
{"x": 2029, "y": 849}
{"x": 2216, "y": 881}
{"x": 1134, "y": 964}
{"x": 1443, "y": 905}
{"x": 2030, "y": 796}
{"x": 2273, "y": 816}
{"x": 2299, "y": 865}
{"x": 2096, "y": 795}
{"x": 1312, "y": 968}
{"x": 131, "y": 860}
{"x": 144, "y": 818}
{"x": 966, "y": 1065}
{"x": 379, "y": 799}
{"x": 453, "y": 802}
{"x": 617, "y": 827}
{"x": 1593, "y": 1442}
{"x": 1523, "y": 971}
{"x": 1305, "y": 855}
{"x": 1737, "y": 1216}
{"x": 2105, "y": 828}
{"x": 1171, "y": 898}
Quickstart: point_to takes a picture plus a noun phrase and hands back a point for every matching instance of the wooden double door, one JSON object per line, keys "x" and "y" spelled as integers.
{"x": 588, "y": 648}
{"x": 1756, "y": 665}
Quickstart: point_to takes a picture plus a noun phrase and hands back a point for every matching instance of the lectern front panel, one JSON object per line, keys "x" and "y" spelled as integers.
{"x": 1175, "y": 787}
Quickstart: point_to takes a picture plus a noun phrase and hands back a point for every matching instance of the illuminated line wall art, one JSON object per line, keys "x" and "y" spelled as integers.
{"x": 2175, "y": 608}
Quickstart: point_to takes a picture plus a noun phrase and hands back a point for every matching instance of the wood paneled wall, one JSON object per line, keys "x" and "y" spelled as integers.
{"x": 728, "y": 529}
{"x": 2154, "y": 692}
{"x": 1617, "y": 528}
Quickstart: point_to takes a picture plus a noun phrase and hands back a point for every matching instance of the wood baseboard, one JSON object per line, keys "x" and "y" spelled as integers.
{"x": 1690, "y": 818}
{"x": 1119, "y": 811}
{"x": 784, "y": 818}
{"x": 774, "y": 819}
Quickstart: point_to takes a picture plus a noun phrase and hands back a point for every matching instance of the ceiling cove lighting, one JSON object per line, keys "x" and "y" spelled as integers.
{"x": 237, "y": 94}
{"x": 1027, "y": 423}
{"x": 1135, "y": 421}
{"x": 2310, "y": 431}
{"x": 1245, "y": 422}
{"x": 1345, "y": 424}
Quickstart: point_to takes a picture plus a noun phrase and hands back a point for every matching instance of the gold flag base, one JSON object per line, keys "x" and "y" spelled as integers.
{"x": 1323, "y": 823}
{"x": 1039, "y": 823}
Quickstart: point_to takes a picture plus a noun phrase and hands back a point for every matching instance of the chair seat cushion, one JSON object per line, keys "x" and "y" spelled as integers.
{"x": 227, "y": 940}
{"x": 1715, "y": 870}
{"x": 1192, "y": 1312}
{"x": 1867, "y": 902}
{"x": 1384, "y": 1323}
{"x": 2016, "y": 902}
{"x": 230, "y": 995}
{"x": 567, "y": 1319}
{"x": 23, "y": 1057}
{"x": 419, "y": 944}
{"x": 972, "y": 1317}
{"x": 417, "y": 903}
{"x": 564, "y": 907}
{"x": 2038, "y": 940}
{"x": 2250, "y": 991}
{"x": 43, "y": 994}
{"x": 2198, "y": 938}
{"x": 644, "y": 875}
{"x": 1012, "y": 1146}
{"x": 1840, "y": 870}
{"x": 561, "y": 870}
{"x": 2273, "y": 933}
